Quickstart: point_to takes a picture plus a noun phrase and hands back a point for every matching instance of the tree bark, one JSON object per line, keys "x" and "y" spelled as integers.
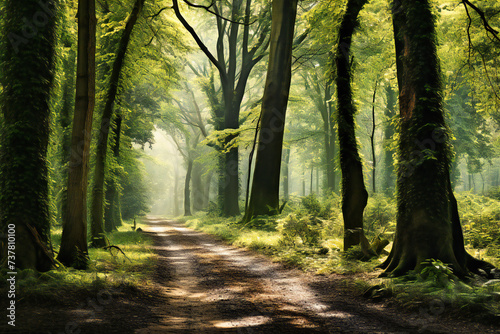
{"x": 27, "y": 66}
{"x": 74, "y": 237}
{"x": 390, "y": 112}
{"x": 187, "y": 191}
{"x": 97, "y": 208}
{"x": 286, "y": 173}
{"x": 354, "y": 194}
{"x": 428, "y": 224}
{"x": 112, "y": 211}
{"x": 264, "y": 196}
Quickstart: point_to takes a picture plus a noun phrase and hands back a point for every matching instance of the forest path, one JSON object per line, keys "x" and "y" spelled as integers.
{"x": 210, "y": 287}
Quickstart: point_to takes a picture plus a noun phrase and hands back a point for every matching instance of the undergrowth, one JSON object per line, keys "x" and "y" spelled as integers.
{"x": 108, "y": 271}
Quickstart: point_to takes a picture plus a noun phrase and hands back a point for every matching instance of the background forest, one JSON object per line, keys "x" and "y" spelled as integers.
{"x": 173, "y": 131}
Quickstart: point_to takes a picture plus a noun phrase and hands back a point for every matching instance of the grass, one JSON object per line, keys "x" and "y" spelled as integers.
{"x": 107, "y": 271}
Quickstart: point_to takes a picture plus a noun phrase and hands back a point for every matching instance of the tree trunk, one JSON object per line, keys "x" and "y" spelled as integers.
{"x": 372, "y": 141}
{"x": 286, "y": 173}
{"x": 187, "y": 191}
{"x": 112, "y": 211}
{"x": 74, "y": 237}
{"x": 329, "y": 129}
{"x": 390, "y": 112}
{"x": 97, "y": 208}
{"x": 428, "y": 224}
{"x": 27, "y": 67}
{"x": 354, "y": 194}
{"x": 264, "y": 196}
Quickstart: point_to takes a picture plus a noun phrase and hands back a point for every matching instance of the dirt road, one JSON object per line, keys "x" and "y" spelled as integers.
{"x": 209, "y": 287}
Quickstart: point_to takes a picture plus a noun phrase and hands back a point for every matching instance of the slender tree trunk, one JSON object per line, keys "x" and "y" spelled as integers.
{"x": 264, "y": 195}
{"x": 65, "y": 121}
{"x": 176, "y": 194}
{"x": 27, "y": 67}
{"x": 354, "y": 194}
{"x": 286, "y": 174}
{"x": 390, "y": 112}
{"x": 311, "y": 183}
{"x": 329, "y": 129}
{"x": 97, "y": 208}
{"x": 74, "y": 237}
{"x": 112, "y": 211}
{"x": 372, "y": 141}
{"x": 428, "y": 225}
{"x": 187, "y": 191}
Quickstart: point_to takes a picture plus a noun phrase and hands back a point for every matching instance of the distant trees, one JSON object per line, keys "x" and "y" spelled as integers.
{"x": 28, "y": 40}
{"x": 236, "y": 55}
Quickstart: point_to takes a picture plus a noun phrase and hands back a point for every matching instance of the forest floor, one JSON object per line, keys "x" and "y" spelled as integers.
{"x": 202, "y": 285}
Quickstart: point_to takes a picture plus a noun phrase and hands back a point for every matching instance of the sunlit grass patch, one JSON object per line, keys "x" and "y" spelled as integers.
{"x": 107, "y": 269}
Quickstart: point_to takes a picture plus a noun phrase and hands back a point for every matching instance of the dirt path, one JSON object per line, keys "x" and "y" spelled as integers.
{"x": 209, "y": 287}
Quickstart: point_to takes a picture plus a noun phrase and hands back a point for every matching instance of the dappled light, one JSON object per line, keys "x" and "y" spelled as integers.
{"x": 245, "y": 166}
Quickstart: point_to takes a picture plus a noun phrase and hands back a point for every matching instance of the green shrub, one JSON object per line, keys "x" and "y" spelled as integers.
{"x": 380, "y": 216}
{"x": 311, "y": 204}
{"x": 480, "y": 217}
{"x": 306, "y": 230}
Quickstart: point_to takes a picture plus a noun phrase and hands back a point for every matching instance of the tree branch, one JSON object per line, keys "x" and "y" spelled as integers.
{"x": 486, "y": 25}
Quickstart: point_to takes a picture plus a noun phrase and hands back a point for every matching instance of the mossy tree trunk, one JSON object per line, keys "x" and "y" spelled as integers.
{"x": 428, "y": 224}
{"x": 28, "y": 40}
{"x": 264, "y": 195}
{"x": 97, "y": 206}
{"x": 354, "y": 194}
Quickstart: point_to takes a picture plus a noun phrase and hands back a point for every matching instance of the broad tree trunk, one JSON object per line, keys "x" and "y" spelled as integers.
{"x": 354, "y": 194}
{"x": 428, "y": 224}
{"x": 97, "y": 208}
{"x": 27, "y": 68}
{"x": 264, "y": 195}
{"x": 112, "y": 211}
{"x": 74, "y": 237}
{"x": 187, "y": 191}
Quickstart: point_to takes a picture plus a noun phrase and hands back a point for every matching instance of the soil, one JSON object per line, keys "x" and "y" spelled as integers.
{"x": 202, "y": 285}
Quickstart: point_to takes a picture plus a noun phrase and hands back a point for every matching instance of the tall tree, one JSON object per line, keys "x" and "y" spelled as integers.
{"x": 354, "y": 194}
{"x": 74, "y": 236}
{"x": 28, "y": 40}
{"x": 388, "y": 184}
{"x": 97, "y": 206}
{"x": 264, "y": 195}
{"x": 112, "y": 210}
{"x": 428, "y": 224}
{"x": 233, "y": 82}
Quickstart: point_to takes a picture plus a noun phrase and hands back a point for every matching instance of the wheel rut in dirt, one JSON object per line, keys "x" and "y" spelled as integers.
{"x": 214, "y": 288}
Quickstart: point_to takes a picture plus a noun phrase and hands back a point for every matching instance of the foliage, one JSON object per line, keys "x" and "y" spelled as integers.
{"x": 296, "y": 230}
